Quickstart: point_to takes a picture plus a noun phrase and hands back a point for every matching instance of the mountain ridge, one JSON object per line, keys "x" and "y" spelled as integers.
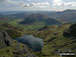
{"x": 30, "y": 19}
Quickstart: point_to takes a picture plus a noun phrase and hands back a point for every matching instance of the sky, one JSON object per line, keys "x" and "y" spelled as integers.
{"x": 37, "y": 5}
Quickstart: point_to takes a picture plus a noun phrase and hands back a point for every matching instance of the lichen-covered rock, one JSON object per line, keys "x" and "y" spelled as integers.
{"x": 36, "y": 44}
{"x": 5, "y": 40}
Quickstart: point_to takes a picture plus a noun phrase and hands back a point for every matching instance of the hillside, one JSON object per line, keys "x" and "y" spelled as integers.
{"x": 12, "y": 48}
{"x": 62, "y": 16}
{"x": 9, "y": 47}
{"x": 55, "y": 40}
{"x": 53, "y": 36}
{"x": 65, "y": 16}
{"x": 31, "y": 19}
{"x": 55, "y": 28}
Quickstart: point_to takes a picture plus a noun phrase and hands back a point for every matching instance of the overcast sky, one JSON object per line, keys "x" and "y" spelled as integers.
{"x": 37, "y": 5}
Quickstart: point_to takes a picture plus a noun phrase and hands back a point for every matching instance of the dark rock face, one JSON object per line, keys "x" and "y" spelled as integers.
{"x": 71, "y": 32}
{"x": 36, "y": 44}
{"x": 44, "y": 28}
{"x": 5, "y": 40}
{"x": 66, "y": 34}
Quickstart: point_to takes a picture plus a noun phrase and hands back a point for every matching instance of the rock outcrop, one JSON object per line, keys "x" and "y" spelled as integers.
{"x": 16, "y": 49}
{"x": 5, "y": 40}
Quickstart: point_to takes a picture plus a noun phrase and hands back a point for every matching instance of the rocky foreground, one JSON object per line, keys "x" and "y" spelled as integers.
{"x": 12, "y": 48}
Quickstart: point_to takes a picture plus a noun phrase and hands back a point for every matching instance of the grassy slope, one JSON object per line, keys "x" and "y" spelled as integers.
{"x": 54, "y": 40}
{"x": 15, "y": 48}
{"x": 15, "y": 22}
{"x": 35, "y": 26}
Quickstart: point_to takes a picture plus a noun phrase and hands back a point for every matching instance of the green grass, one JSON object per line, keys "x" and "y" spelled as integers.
{"x": 8, "y": 51}
{"x": 58, "y": 41}
{"x": 34, "y": 26}
{"x": 52, "y": 41}
{"x": 15, "y": 22}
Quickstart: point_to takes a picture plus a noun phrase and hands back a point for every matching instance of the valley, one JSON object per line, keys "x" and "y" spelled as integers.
{"x": 56, "y": 29}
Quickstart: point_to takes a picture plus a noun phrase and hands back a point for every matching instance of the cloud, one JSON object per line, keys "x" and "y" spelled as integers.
{"x": 3, "y": 0}
{"x": 6, "y": 1}
{"x": 59, "y": 3}
{"x": 28, "y": 0}
{"x": 35, "y": 4}
{"x": 68, "y": 4}
{"x": 56, "y": 1}
{"x": 73, "y": 4}
{"x": 24, "y": 4}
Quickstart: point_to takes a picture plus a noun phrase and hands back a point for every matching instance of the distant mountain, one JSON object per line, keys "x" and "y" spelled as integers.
{"x": 33, "y": 18}
{"x": 65, "y": 16}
